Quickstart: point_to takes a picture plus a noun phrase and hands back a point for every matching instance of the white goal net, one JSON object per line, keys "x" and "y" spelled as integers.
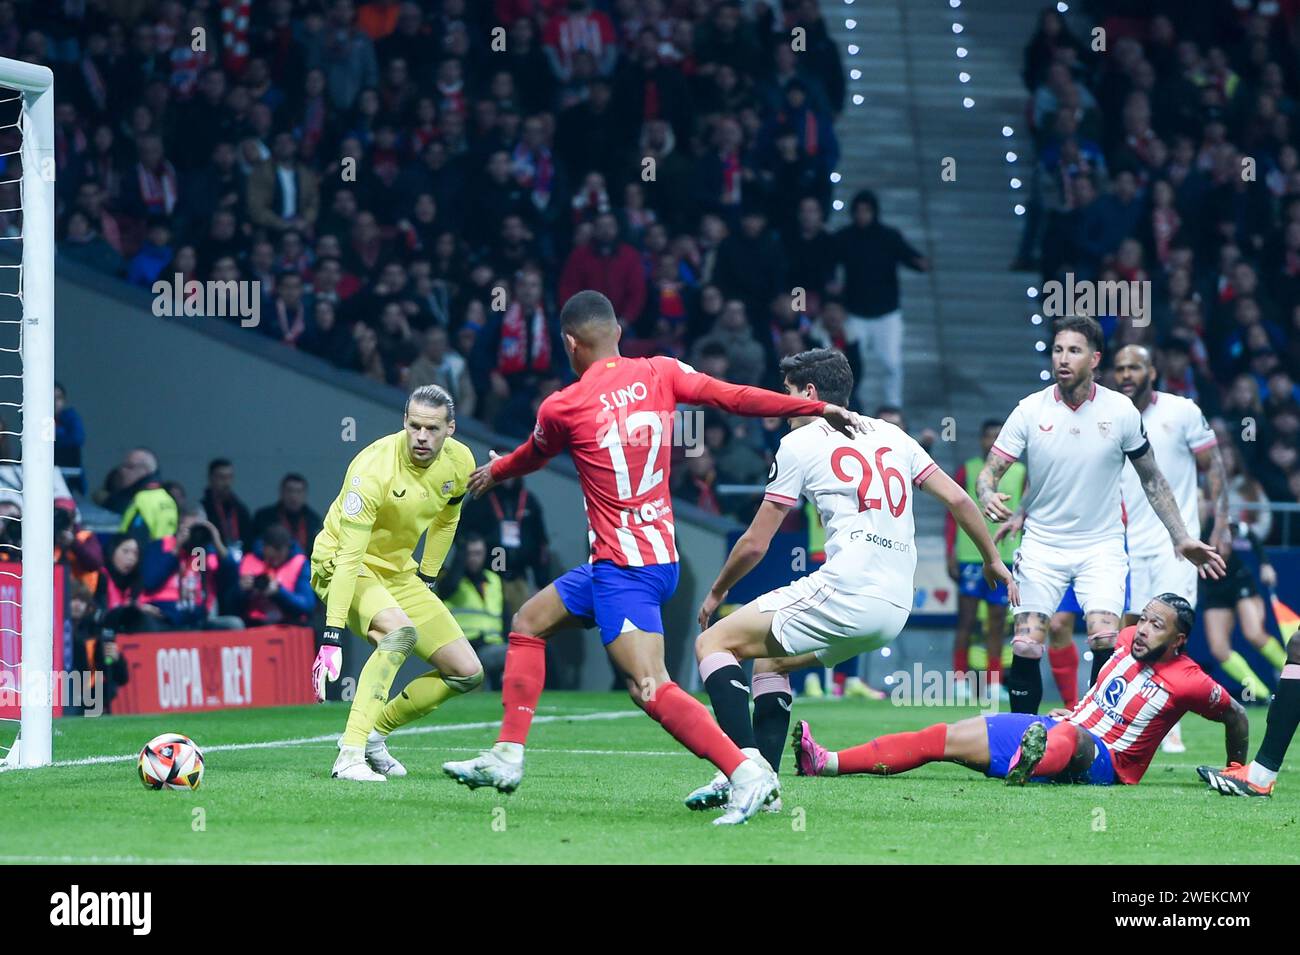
{"x": 27, "y": 202}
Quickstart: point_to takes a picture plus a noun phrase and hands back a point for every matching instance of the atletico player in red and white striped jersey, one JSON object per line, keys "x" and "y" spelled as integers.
{"x": 1137, "y": 700}
{"x": 616, "y": 421}
{"x": 1109, "y": 737}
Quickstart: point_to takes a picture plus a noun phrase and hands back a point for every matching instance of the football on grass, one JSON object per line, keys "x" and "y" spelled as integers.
{"x": 171, "y": 761}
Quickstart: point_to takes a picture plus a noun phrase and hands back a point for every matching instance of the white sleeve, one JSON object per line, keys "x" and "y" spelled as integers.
{"x": 785, "y": 478}
{"x": 1013, "y": 436}
{"x": 1133, "y": 433}
{"x": 922, "y": 465}
{"x": 1200, "y": 436}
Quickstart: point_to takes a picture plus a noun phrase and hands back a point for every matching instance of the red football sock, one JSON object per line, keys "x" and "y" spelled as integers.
{"x": 1065, "y": 671}
{"x": 994, "y": 668}
{"x": 1061, "y": 741}
{"x": 521, "y": 686}
{"x": 689, "y": 722}
{"x": 960, "y": 660}
{"x": 896, "y": 753}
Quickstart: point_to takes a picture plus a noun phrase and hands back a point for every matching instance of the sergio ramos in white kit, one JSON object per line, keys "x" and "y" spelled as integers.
{"x": 1075, "y": 437}
{"x": 1184, "y": 443}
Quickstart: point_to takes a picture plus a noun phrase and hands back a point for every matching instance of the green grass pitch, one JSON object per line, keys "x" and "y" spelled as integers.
{"x": 604, "y": 784}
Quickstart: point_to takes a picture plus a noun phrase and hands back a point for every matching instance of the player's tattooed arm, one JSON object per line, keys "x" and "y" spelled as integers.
{"x": 1216, "y": 489}
{"x": 1236, "y": 732}
{"x": 1161, "y": 496}
{"x": 986, "y": 485}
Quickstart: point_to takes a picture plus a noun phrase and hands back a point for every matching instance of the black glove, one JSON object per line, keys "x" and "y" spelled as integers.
{"x": 430, "y": 582}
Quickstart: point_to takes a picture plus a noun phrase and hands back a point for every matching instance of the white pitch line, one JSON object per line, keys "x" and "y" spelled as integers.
{"x": 532, "y": 750}
{"x": 303, "y": 740}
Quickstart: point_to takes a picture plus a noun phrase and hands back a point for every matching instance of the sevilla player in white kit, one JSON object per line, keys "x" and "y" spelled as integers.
{"x": 1109, "y": 737}
{"x": 1183, "y": 443}
{"x": 1075, "y": 437}
{"x": 859, "y": 600}
{"x": 616, "y": 422}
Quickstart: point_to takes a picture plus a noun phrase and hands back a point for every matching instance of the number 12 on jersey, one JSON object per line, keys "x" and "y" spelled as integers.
{"x": 614, "y": 440}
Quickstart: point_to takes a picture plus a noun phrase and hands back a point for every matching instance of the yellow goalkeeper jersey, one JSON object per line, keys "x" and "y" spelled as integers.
{"x": 376, "y": 520}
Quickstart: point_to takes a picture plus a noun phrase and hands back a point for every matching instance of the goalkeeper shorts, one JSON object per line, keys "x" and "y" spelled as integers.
{"x": 435, "y": 627}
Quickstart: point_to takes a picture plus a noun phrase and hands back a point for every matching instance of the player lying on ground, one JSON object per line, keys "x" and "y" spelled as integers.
{"x": 1075, "y": 437}
{"x": 1283, "y": 717}
{"x": 1109, "y": 737}
{"x": 363, "y": 570}
{"x": 860, "y": 598}
{"x": 616, "y": 421}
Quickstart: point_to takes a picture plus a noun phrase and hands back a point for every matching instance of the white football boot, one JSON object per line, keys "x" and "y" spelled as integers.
{"x": 499, "y": 768}
{"x": 752, "y": 785}
{"x": 712, "y": 795}
{"x": 717, "y": 791}
{"x": 351, "y": 765}
{"x": 379, "y": 758}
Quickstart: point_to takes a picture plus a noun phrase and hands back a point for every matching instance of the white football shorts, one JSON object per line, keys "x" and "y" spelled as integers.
{"x": 811, "y": 616}
{"x": 1165, "y": 572}
{"x": 1099, "y": 575}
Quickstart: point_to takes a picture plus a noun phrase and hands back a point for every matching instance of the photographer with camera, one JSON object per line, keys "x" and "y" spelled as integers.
{"x": 77, "y": 549}
{"x": 94, "y": 649}
{"x": 275, "y": 584}
{"x": 182, "y": 572}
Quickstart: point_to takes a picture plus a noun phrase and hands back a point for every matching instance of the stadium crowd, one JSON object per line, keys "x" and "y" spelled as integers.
{"x": 417, "y": 187}
{"x": 1170, "y": 157}
{"x": 417, "y": 194}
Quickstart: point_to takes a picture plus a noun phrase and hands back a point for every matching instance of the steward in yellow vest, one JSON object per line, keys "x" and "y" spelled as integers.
{"x": 974, "y": 596}
{"x": 474, "y": 594}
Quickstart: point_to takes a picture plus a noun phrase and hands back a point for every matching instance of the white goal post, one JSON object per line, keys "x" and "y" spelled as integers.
{"x": 35, "y": 292}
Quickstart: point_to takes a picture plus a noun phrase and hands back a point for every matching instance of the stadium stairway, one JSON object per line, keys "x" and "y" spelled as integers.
{"x": 969, "y": 343}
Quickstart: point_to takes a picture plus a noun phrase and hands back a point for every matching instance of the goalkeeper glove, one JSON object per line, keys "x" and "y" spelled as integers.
{"x": 329, "y": 661}
{"x": 430, "y": 582}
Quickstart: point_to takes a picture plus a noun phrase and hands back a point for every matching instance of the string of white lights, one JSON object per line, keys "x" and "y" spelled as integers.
{"x": 1019, "y": 209}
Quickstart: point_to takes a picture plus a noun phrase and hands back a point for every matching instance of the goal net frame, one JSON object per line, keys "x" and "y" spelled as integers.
{"x": 35, "y": 294}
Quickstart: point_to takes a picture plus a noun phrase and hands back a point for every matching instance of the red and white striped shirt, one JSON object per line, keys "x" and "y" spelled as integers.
{"x": 1133, "y": 704}
{"x": 617, "y": 421}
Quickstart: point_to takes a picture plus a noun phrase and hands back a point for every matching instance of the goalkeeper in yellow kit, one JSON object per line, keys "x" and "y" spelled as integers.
{"x": 362, "y": 568}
